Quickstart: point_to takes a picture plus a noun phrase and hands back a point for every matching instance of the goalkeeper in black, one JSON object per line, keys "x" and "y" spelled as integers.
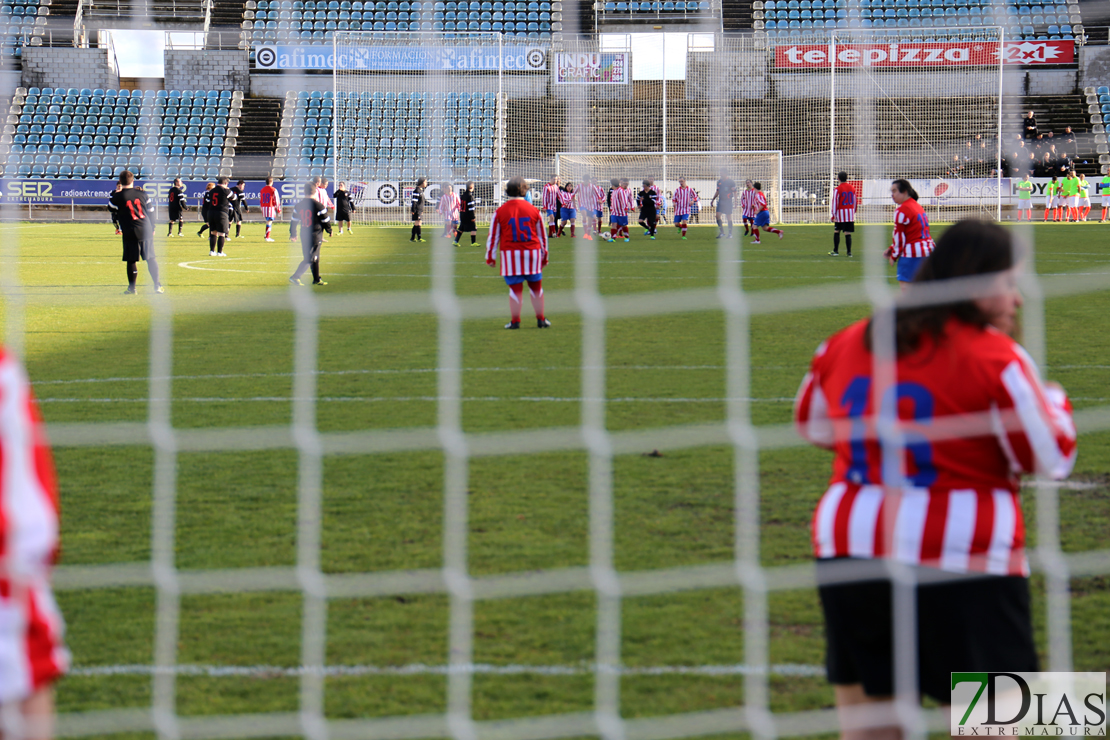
{"x": 312, "y": 217}
{"x": 136, "y": 223}
{"x": 219, "y": 217}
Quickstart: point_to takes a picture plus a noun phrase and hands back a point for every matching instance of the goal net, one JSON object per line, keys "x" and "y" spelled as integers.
{"x": 920, "y": 109}
{"x": 701, "y": 170}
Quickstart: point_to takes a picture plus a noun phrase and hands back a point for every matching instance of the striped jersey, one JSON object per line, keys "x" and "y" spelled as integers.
{"x": 550, "y": 196}
{"x": 568, "y": 199}
{"x": 591, "y": 197}
{"x": 449, "y": 206}
{"x": 959, "y": 509}
{"x": 660, "y": 201}
{"x": 31, "y": 637}
{"x": 269, "y": 201}
{"x": 323, "y": 197}
{"x": 517, "y": 231}
{"x": 747, "y": 204}
{"x": 684, "y": 199}
{"x": 844, "y": 204}
{"x": 911, "y": 231}
{"x": 759, "y": 202}
{"x": 621, "y": 201}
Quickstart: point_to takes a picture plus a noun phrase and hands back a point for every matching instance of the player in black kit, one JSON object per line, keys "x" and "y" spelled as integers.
{"x": 219, "y": 217}
{"x": 238, "y": 200}
{"x": 204, "y": 207}
{"x": 175, "y": 204}
{"x": 649, "y": 213}
{"x": 136, "y": 222}
{"x": 468, "y": 203}
{"x": 342, "y": 207}
{"x": 417, "y": 209}
{"x": 312, "y": 217}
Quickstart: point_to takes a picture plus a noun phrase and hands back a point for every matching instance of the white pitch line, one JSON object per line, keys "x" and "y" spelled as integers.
{"x": 429, "y": 399}
{"x": 422, "y": 669}
{"x": 407, "y": 371}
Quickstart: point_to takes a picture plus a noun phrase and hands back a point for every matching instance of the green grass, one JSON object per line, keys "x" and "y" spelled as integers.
{"x": 87, "y": 351}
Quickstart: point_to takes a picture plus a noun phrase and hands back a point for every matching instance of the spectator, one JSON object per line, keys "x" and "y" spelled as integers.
{"x": 1029, "y": 126}
{"x": 1064, "y": 164}
{"x": 1047, "y": 165}
{"x": 1068, "y": 140}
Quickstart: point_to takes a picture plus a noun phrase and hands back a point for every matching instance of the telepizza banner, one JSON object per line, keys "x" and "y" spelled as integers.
{"x": 936, "y": 54}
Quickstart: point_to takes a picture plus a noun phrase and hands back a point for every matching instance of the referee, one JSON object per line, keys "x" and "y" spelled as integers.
{"x": 417, "y": 209}
{"x": 135, "y": 214}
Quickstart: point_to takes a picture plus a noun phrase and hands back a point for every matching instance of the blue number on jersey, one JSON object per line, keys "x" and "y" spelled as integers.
{"x": 920, "y": 449}
{"x": 521, "y": 228}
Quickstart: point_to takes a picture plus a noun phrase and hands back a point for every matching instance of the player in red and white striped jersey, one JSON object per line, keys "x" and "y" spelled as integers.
{"x": 912, "y": 242}
{"x": 517, "y": 232}
{"x": 956, "y": 507}
{"x": 568, "y": 207}
{"x": 448, "y": 207}
{"x": 270, "y": 202}
{"x": 550, "y": 203}
{"x": 32, "y": 653}
{"x": 684, "y": 199}
{"x": 589, "y": 196}
{"x": 621, "y": 203}
{"x": 762, "y": 215}
{"x": 747, "y": 214}
{"x": 843, "y": 213}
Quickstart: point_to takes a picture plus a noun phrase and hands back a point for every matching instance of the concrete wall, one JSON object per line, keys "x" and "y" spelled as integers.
{"x": 45, "y": 66}
{"x": 1094, "y": 66}
{"x": 1052, "y": 81}
{"x": 207, "y": 70}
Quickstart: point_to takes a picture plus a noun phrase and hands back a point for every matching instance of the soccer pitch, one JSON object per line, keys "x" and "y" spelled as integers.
{"x": 87, "y": 350}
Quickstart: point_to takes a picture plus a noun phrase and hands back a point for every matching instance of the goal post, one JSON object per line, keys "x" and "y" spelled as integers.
{"x": 700, "y": 169}
{"x": 928, "y": 111}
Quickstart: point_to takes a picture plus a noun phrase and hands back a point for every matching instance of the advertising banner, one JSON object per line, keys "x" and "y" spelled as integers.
{"x": 96, "y": 192}
{"x": 403, "y": 58}
{"x": 605, "y": 68}
{"x": 941, "y": 192}
{"x": 925, "y": 55}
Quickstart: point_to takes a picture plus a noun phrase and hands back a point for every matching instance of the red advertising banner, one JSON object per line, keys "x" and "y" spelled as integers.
{"x": 946, "y": 54}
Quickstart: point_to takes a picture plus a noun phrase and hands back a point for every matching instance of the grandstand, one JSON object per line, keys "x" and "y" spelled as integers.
{"x": 280, "y": 122}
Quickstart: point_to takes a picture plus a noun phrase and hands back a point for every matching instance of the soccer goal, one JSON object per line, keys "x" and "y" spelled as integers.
{"x": 701, "y": 170}
{"x": 926, "y": 111}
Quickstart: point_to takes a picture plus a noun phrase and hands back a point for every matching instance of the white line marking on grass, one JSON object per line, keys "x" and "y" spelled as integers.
{"x": 409, "y": 371}
{"x": 422, "y": 669}
{"x": 406, "y": 399}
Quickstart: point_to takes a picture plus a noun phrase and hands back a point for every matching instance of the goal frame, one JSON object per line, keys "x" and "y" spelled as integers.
{"x": 665, "y": 156}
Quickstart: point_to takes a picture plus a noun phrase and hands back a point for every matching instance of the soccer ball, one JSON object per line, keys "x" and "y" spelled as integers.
{"x": 606, "y": 237}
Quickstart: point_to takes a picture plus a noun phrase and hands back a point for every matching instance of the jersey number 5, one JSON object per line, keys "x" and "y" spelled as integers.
{"x": 521, "y": 228}
{"x": 855, "y": 398}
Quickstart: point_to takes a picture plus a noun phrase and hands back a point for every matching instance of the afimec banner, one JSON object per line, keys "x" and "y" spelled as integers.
{"x": 938, "y": 54}
{"x": 604, "y": 68}
{"x": 403, "y": 58}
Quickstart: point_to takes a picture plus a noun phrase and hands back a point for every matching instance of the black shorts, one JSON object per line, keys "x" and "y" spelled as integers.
{"x": 342, "y": 215}
{"x": 417, "y": 215}
{"x": 220, "y": 223}
{"x": 725, "y": 209}
{"x": 467, "y": 223}
{"x": 237, "y": 216}
{"x": 175, "y": 213}
{"x": 649, "y": 215}
{"x": 848, "y": 227}
{"x": 980, "y": 623}
{"x": 311, "y": 251}
{"x": 135, "y": 249}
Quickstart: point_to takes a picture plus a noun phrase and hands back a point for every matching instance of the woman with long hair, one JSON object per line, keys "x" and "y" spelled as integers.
{"x": 911, "y": 242}
{"x": 948, "y": 508}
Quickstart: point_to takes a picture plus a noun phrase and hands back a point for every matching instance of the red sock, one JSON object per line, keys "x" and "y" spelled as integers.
{"x": 1086, "y": 212}
{"x": 775, "y": 231}
{"x": 535, "y": 291}
{"x": 267, "y": 230}
{"x": 1104, "y": 210}
{"x": 625, "y": 230}
{"x": 572, "y": 229}
{"x": 516, "y": 295}
{"x": 1046, "y": 214}
{"x": 755, "y": 232}
{"x": 613, "y": 229}
{"x": 684, "y": 228}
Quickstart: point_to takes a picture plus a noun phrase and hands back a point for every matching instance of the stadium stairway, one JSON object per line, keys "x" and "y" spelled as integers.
{"x": 228, "y": 13}
{"x": 737, "y": 15}
{"x": 259, "y": 122}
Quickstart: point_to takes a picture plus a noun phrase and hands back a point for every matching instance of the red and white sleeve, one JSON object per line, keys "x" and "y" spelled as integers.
{"x": 1044, "y": 439}
{"x": 811, "y": 408}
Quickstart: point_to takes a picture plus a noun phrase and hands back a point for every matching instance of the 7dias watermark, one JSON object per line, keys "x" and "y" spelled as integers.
{"x": 1024, "y": 704}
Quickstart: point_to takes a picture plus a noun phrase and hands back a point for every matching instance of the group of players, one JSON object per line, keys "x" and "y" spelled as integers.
{"x": 1067, "y": 200}
{"x": 562, "y": 203}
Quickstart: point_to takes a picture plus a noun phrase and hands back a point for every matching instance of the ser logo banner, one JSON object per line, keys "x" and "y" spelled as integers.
{"x": 1028, "y": 704}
